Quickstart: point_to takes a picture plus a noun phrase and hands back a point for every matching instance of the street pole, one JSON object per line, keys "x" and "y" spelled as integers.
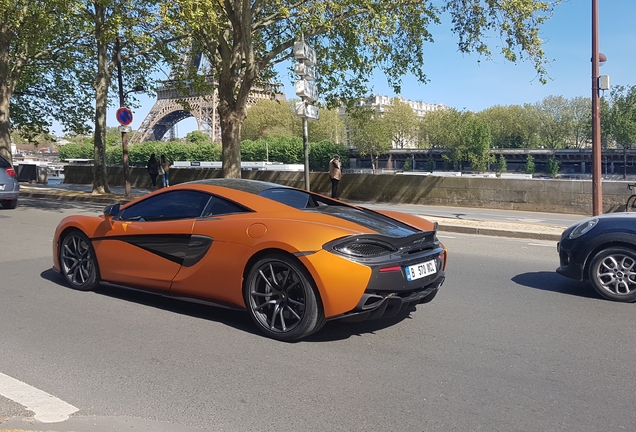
{"x": 306, "y": 150}
{"x": 124, "y": 136}
{"x": 597, "y": 191}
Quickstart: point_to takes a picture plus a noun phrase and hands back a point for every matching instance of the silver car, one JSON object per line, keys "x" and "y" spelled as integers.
{"x": 9, "y": 185}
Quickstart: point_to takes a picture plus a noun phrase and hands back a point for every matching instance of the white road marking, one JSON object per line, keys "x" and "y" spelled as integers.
{"x": 47, "y": 408}
{"x": 444, "y": 236}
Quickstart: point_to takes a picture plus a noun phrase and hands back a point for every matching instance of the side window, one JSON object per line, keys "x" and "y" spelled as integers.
{"x": 291, "y": 197}
{"x": 182, "y": 204}
{"x": 218, "y": 206}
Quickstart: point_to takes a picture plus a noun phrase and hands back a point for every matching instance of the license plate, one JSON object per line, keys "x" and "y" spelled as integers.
{"x": 418, "y": 271}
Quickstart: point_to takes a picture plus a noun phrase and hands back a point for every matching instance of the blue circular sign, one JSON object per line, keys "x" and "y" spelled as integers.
{"x": 124, "y": 116}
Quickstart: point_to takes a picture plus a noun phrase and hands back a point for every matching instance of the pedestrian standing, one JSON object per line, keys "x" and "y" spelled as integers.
{"x": 153, "y": 169}
{"x": 165, "y": 166}
{"x": 335, "y": 173}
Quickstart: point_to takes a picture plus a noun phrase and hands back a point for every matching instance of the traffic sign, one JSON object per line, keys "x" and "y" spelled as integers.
{"x": 124, "y": 116}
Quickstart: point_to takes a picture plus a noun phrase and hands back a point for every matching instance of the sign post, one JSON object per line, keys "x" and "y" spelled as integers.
{"x": 308, "y": 92}
{"x": 125, "y": 117}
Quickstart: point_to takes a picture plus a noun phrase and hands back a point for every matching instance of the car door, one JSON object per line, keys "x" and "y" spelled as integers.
{"x": 146, "y": 243}
{"x": 216, "y": 273}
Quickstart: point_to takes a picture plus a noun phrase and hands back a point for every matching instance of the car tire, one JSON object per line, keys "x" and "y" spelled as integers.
{"x": 10, "y": 204}
{"x": 612, "y": 273}
{"x": 282, "y": 299}
{"x": 77, "y": 261}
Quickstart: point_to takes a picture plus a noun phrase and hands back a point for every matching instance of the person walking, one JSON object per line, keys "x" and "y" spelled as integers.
{"x": 335, "y": 173}
{"x": 165, "y": 166}
{"x": 153, "y": 169}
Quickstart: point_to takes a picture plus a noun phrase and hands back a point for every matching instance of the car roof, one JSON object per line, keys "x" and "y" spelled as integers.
{"x": 252, "y": 186}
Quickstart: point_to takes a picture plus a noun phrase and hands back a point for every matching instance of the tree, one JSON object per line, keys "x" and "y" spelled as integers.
{"x": 197, "y": 137}
{"x": 401, "y": 122}
{"x": 620, "y": 118}
{"x": 529, "y": 167}
{"x": 329, "y": 127}
{"x": 556, "y": 121}
{"x": 31, "y": 31}
{"x": 477, "y": 140}
{"x": 368, "y": 135}
{"x": 126, "y": 30}
{"x": 511, "y": 126}
{"x": 503, "y": 164}
{"x": 245, "y": 39}
{"x": 582, "y": 119}
{"x": 553, "y": 166}
{"x": 269, "y": 118}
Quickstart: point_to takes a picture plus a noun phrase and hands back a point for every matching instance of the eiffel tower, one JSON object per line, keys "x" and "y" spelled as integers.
{"x": 169, "y": 109}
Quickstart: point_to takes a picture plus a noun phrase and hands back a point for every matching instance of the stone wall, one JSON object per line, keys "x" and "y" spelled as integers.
{"x": 554, "y": 196}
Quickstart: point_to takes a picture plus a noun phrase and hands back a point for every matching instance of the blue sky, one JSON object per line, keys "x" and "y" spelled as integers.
{"x": 461, "y": 82}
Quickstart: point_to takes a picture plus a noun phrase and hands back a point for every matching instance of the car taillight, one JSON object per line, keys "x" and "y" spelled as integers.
{"x": 10, "y": 171}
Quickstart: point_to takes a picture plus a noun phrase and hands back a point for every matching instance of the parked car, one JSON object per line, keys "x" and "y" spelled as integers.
{"x": 9, "y": 185}
{"x": 293, "y": 259}
{"x": 602, "y": 250}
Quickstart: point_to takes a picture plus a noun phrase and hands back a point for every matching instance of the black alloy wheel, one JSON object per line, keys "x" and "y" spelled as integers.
{"x": 77, "y": 261}
{"x": 613, "y": 274}
{"x": 281, "y": 299}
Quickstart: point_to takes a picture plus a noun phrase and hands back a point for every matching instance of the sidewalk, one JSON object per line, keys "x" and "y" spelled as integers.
{"x": 527, "y": 228}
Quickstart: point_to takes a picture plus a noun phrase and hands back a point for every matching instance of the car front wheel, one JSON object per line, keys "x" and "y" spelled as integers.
{"x": 281, "y": 299}
{"x": 77, "y": 261}
{"x": 613, "y": 274}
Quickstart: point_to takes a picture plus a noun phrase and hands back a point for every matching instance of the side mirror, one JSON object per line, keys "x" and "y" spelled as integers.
{"x": 112, "y": 210}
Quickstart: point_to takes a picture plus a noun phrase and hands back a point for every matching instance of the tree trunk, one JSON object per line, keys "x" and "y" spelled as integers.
{"x": 231, "y": 122}
{"x": 5, "y": 124}
{"x": 102, "y": 82}
{"x": 8, "y": 83}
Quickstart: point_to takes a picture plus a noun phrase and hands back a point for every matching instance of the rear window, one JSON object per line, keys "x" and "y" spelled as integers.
{"x": 4, "y": 163}
{"x": 291, "y": 197}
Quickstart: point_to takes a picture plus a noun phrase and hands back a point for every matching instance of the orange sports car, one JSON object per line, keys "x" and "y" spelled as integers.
{"x": 292, "y": 258}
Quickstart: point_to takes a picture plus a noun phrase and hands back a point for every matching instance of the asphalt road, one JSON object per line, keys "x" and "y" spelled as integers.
{"x": 507, "y": 345}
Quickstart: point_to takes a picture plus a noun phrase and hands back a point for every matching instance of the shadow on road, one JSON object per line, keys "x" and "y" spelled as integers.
{"x": 332, "y": 331}
{"x": 552, "y": 281}
{"x": 58, "y": 205}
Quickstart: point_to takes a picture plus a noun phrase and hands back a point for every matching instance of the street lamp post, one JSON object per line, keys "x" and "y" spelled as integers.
{"x": 597, "y": 191}
{"x": 124, "y": 128}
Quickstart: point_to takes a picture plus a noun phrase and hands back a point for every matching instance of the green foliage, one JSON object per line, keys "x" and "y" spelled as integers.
{"x": 503, "y": 164}
{"x": 408, "y": 165}
{"x": 553, "y": 166}
{"x": 529, "y": 167}
{"x": 429, "y": 165}
{"x": 76, "y": 151}
{"x": 401, "y": 122}
{"x": 197, "y": 137}
{"x": 320, "y": 153}
{"x": 619, "y": 116}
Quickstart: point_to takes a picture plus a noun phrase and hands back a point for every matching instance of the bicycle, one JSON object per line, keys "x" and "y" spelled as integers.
{"x": 630, "y": 206}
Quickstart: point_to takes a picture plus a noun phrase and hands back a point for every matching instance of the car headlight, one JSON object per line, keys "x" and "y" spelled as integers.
{"x": 583, "y": 228}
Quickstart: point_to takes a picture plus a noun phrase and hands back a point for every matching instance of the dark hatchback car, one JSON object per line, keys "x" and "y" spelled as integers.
{"x": 9, "y": 185}
{"x": 602, "y": 250}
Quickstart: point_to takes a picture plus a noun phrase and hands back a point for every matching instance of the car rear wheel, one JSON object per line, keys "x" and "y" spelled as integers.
{"x": 77, "y": 261}
{"x": 281, "y": 299}
{"x": 613, "y": 274}
{"x": 10, "y": 204}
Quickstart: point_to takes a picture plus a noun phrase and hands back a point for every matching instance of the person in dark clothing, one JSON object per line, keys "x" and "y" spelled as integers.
{"x": 153, "y": 169}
